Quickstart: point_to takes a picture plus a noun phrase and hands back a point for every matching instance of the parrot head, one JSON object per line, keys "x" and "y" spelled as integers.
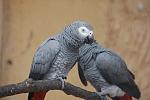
{"x": 80, "y": 31}
{"x": 85, "y": 32}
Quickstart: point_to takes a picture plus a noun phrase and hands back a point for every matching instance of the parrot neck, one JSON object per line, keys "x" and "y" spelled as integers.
{"x": 85, "y": 56}
{"x": 69, "y": 42}
{"x": 88, "y": 52}
{"x": 86, "y": 48}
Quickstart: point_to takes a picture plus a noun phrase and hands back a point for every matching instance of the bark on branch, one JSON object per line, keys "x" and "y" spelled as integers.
{"x": 46, "y": 85}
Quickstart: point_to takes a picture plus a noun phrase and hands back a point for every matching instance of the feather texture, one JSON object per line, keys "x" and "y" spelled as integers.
{"x": 103, "y": 68}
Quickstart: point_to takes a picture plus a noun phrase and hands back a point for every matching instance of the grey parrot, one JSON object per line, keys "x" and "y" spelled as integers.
{"x": 56, "y": 56}
{"x": 107, "y": 72}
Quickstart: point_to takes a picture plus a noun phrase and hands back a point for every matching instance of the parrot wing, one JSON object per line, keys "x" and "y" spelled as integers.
{"x": 81, "y": 75}
{"x": 115, "y": 71}
{"x": 43, "y": 58}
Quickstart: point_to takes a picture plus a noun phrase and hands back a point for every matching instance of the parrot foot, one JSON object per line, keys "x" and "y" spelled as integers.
{"x": 112, "y": 91}
{"x": 62, "y": 82}
{"x": 102, "y": 97}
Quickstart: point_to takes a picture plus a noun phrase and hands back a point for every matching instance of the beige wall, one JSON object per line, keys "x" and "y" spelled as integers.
{"x": 1, "y": 8}
{"x": 122, "y": 25}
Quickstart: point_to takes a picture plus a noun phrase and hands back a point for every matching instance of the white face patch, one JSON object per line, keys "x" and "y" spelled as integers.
{"x": 84, "y": 31}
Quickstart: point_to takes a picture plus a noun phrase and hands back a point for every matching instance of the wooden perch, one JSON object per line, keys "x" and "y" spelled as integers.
{"x": 46, "y": 85}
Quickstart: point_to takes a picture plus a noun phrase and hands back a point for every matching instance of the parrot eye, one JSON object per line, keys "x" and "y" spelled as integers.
{"x": 83, "y": 31}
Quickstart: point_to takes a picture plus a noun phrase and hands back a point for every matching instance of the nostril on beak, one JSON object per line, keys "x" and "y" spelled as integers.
{"x": 90, "y": 32}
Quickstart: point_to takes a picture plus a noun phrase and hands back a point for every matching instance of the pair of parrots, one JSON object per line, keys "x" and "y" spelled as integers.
{"x": 104, "y": 69}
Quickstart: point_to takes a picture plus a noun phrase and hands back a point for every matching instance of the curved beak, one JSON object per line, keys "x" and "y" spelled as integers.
{"x": 90, "y": 38}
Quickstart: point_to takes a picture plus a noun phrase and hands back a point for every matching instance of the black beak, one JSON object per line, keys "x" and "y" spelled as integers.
{"x": 89, "y": 39}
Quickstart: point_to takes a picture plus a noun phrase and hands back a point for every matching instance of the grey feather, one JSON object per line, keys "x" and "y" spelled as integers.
{"x": 56, "y": 56}
{"x": 106, "y": 68}
{"x": 43, "y": 57}
{"x": 81, "y": 75}
{"x": 115, "y": 71}
{"x": 58, "y": 52}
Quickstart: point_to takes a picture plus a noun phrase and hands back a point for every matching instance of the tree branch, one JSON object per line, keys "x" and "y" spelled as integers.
{"x": 46, "y": 85}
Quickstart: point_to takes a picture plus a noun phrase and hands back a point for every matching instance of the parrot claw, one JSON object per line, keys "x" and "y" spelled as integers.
{"x": 62, "y": 82}
{"x": 103, "y": 97}
{"x": 111, "y": 91}
{"x": 103, "y": 93}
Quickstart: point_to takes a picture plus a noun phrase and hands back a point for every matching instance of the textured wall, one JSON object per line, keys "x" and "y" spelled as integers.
{"x": 122, "y": 25}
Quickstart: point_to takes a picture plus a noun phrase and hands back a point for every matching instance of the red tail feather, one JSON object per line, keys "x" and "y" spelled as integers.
{"x": 126, "y": 97}
{"x": 39, "y": 96}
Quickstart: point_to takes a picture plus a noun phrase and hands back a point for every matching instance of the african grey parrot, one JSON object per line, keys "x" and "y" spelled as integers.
{"x": 107, "y": 72}
{"x": 56, "y": 56}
